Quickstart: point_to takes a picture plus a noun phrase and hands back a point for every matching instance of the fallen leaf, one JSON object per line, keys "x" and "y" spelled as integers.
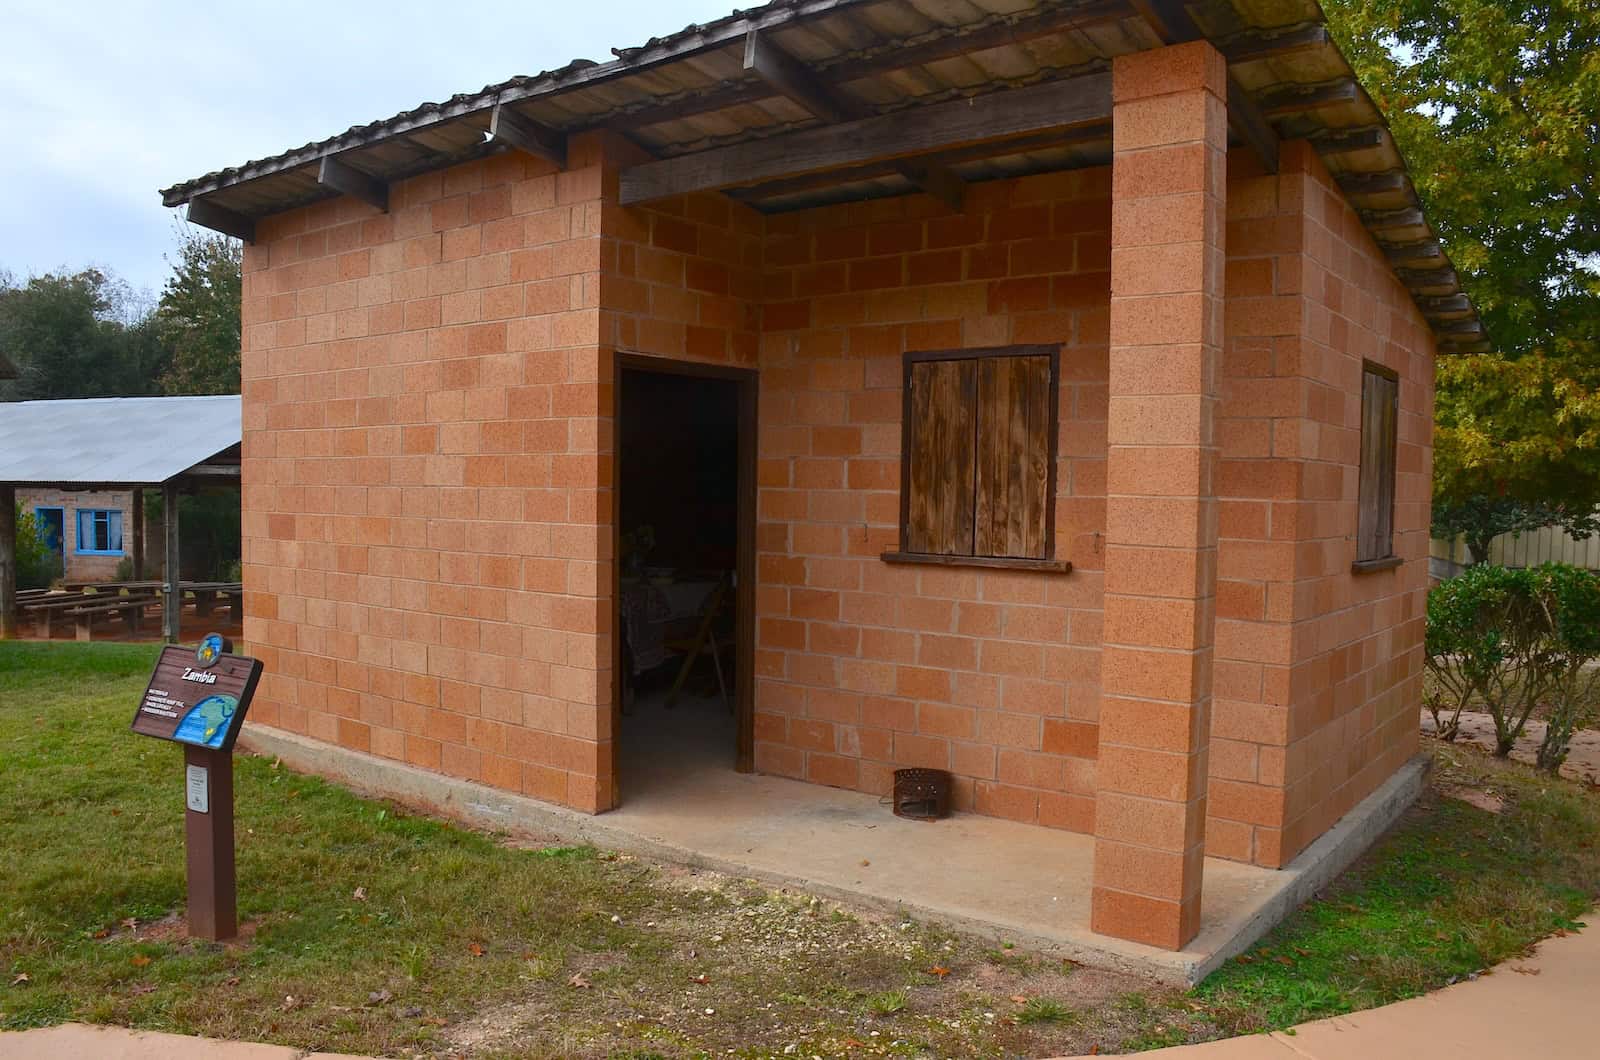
{"x": 102, "y": 933}
{"x": 1525, "y": 970}
{"x": 232, "y": 980}
{"x": 140, "y": 989}
{"x": 1019, "y": 999}
{"x": 578, "y": 981}
{"x": 702, "y": 979}
{"x": 131, "y": 922}
{"x": 360, "y": 894}
{"x": 379, "y": 997}
{"x": 938, "y": 971}
{"x": 865, "y": 862}
{"x": 139, "y": 961}
{"x": 22, "y": 979}
{"x": 475, "y": 949}
{"x": 1094, "y": 1050}
{"x": 1287, "y": 962}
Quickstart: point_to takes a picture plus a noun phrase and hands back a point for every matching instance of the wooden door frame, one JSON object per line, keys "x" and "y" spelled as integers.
{"x": 746, "y": 381}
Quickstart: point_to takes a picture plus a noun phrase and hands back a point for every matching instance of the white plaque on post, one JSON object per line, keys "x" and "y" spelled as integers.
{"x": 199, "y": 788}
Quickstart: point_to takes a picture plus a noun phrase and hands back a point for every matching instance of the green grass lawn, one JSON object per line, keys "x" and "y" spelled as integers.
{"x": 371, "y": 929}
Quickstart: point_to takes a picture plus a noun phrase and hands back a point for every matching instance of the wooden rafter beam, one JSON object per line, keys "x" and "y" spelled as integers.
{"x": 1170, "y": 21}
{"x": 1345, "y": 141}
{"x": 1261, "y": 44}
{"x": 884, "y": 137}
{"x": 208, "y": 214}
{"x": 347, "y": 180}
{"x": 793, "y": 79}
{"x": 1291, "y": 99}
{"x": 931, "y": 48}
{"x": 1419, "y": 278}
{"x": 1423, "y": 251}
{"x": 1406, "y": 217}
{"x": 525, "y": 134}
{"x": 1380, "y": 183}
{"x": 828, "y": 178}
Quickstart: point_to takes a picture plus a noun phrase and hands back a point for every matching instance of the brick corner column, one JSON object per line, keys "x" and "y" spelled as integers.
{"x": 1170, "y": 125}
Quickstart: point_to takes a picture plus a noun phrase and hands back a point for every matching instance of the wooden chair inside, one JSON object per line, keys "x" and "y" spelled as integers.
{"x": 707, "y": 638}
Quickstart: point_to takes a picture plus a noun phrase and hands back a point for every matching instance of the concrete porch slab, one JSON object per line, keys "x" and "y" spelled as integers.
{"x": 997, "y": 878}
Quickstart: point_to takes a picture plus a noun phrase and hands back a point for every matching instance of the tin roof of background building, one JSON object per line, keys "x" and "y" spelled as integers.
{"x": 114, "y": 441}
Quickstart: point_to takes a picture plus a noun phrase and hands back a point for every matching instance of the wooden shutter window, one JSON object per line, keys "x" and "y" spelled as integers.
{"x": 978, "y": 459}
{"x": 1014, "y": 457}
{"x": 1380, "y": 415}
{"x": 940, "y": 439}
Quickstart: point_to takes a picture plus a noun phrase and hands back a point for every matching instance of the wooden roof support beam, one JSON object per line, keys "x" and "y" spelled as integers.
{"x": 883, "y": 137}
{"x": 1409, "y": 217}
{"x": 941, "y": 45}
{"x": 1445, "y": 305}
{"x": 1291, "y": 99}
{"x": 347, "y": 180}
{"x": 1344, "y": 141}
{"x": 793, "y": 79}
{"x": 208, "y": 214}
{"x": 1170, "y": 20}
{"x": 1424, "y": 251}
{"x": 525, "y": 134}
{"x": 1252, "y": 127}
{"x": 1420, "y": 278}
{"x": 1253, "y": 45}
{"x": 828, "y": 178}
{"x": 1372, "y": 183}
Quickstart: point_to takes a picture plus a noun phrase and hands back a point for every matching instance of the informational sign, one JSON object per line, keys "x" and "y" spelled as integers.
{"x": 197, "y": 786}
{"x": 198, "y": 697}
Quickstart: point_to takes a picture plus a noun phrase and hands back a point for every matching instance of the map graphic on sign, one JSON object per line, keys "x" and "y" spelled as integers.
{"x": 198, "y": 697}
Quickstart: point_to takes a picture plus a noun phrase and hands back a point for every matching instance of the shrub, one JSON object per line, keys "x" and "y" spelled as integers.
{"x": 1481, "y": 625}
{"x": 1515, "y": 639}
{"x": 1570, "y": 597}
{"x": 37, "y": 565}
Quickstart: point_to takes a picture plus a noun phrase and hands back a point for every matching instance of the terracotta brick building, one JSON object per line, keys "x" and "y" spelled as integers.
{"x": 1084, "y": 367}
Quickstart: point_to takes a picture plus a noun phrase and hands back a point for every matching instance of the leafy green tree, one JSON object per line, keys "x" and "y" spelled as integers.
{"x": 198, "y": 316}
{"x": 1496, "y": 107}
{"x": 37, "y": 565}
{"x": 76, "y": 335}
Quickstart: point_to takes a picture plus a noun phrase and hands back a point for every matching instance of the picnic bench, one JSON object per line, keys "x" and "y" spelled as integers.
{"x": 90, "y": 601}
{"x": 130, "y": 608}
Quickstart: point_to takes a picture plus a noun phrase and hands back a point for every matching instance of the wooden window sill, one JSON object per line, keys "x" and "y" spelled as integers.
{"x": 1367, "y": 566}
{"x": 1042, "y": 566}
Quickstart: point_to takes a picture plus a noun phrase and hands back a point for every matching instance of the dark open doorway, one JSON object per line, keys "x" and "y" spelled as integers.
{"x": 684, "y": 517}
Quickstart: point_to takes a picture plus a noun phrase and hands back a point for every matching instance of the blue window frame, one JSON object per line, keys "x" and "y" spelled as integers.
{"x": 99, "y": 532}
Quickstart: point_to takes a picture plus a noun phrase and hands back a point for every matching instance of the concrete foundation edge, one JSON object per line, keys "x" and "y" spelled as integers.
{"x": 495, "y": 810}
{"x": 1321, "y": 862}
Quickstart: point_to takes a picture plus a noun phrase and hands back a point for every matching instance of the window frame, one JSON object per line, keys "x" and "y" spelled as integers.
{"x": 1050, "y": 563}
{"x": 92, "y": 513}
{"x": 1364, "y": 565}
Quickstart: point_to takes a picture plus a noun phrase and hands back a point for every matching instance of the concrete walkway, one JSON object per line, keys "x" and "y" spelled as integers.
{"x": 1540, "y": 1007}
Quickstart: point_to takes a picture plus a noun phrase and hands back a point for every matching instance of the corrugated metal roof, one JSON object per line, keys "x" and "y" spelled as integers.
{"x": 689, "y": 92}
{"x": 113, "y": 441}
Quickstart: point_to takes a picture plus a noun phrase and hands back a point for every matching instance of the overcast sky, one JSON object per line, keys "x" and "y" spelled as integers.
{"x": 107, "y": 101}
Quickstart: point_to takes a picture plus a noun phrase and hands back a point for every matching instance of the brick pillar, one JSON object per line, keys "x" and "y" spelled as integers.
{"x": 1170, "y": 130}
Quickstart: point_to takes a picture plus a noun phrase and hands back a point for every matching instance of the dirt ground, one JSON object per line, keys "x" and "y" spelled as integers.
{"x": 1583, "y": 764}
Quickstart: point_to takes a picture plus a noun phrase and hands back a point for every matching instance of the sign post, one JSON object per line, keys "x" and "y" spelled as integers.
{"x": 199, "y": 699}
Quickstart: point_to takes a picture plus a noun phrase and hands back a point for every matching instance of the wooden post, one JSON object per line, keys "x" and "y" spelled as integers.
{"x": 208, "y": 833}
{"x": 138, "y": 535}
{"x": 172, "y": 580}
{"x": 8, "y": 562}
